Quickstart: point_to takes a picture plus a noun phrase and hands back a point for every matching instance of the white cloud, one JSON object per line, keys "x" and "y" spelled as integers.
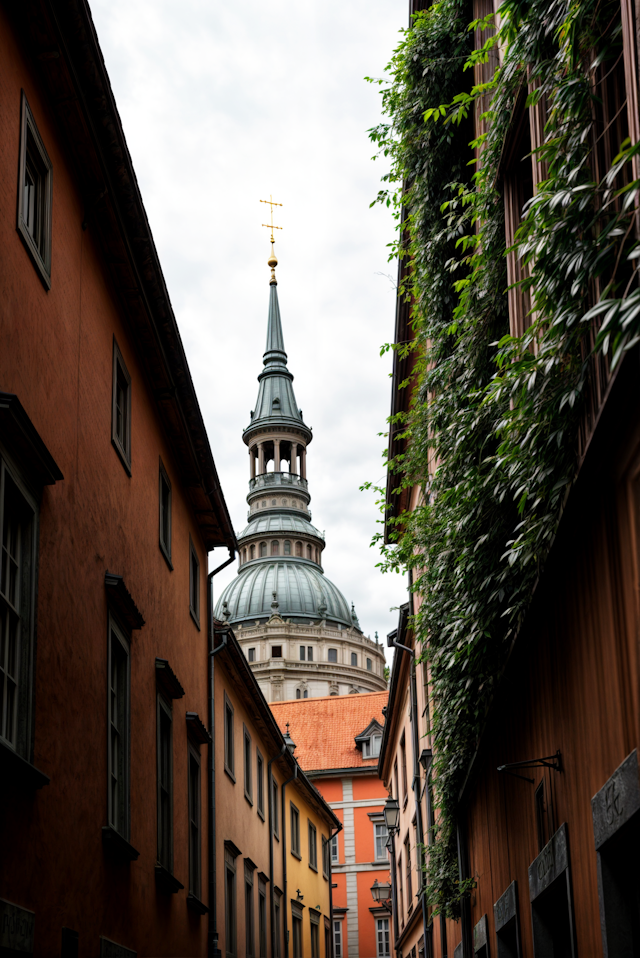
{"x": 223, "y": 105}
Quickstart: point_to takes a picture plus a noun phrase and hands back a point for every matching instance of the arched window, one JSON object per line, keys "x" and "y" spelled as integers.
{"x": 333, "y": 655}
{"x": 264, "y": 503}
{"x": 273, "y": 502}
{"x": 252, "y": 552}
{"x": 284, "y": 502}
{"x": 354, "y": 658}
{"x": 309, "y": 553}
{"x": 263, "y": 548}
{"x": 287, "y": 547}
{"x": 244, "y": 555}
{"x": 298, "y": 548}
{"x": 275, "y": 548}
{"x": 297, "y": 693}
{"x": 317, "y": 557}
{"x": 306, "y": 694}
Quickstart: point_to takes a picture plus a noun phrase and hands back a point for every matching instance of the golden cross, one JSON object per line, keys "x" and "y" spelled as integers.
{"x": 270, "y": 226}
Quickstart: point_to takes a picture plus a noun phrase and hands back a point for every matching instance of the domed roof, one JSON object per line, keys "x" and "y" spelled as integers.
{"x": 280, "y": 522}
{"x": 300, "y": 586}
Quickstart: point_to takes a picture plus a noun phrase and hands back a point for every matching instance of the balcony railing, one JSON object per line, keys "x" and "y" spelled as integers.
{"x": 270, "y": 479}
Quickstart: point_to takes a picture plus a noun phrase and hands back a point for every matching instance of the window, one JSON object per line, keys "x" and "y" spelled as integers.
{"x": 249, "y": 917}
{"x": 309, "y": 553}
{"x": 296, "y": 934}
{"x": 295, "y": 831}
{"x": 287, "y": 547}
{"x": 298, "y": 693}
{"x": 275, "y": 547}
{"x": 299, "y": 549}
{"x": 229, "y": 759}
{"x": 505, "y": 912}
{"x": 194, "y": 583}
{"x": 248, "y": 783}
{"x": 550, "y": 897}
{"x": 230, "y": 904}
{"x": 333, "y": 655}
{"x": 194, "y": 823}
{"x": 380, "y": 837}
{"x": 310, "y": 653}
{"x": 262, "y": 918}
{"x": 369, "y": 665}
{"x": 274, "y": 800}
{"x": 305, "y": 694}
{"x": 382, "y": 938}
{"x": 252, "y": 552}
{"x": 260, "y": 782}
{"x": 303, "y": 651}
{"x": 17, "y": 586}
{"x": 541, "y": 816}
{"x": 165, "y": 514}
{"x": 396, "y": 793}
{"x": 118, "y": 731}
{"x": 354, "y": 658}
{"x": 407, "y": 856}
{"x": 334, "y": 849}
{"x": 403, "y": 757}
{"x": 252, "y": 655}
{"x": 337, "y": 939}
{"x": 35, "y": 195}
{"x": 313, "y": 847}
{"x": 263, "y": 549}
{"x": 314, "y": 918}
{"x": 276, "y": 651}
{"x": 371, "y": 746}
{"x": 277, "y": 921}
{"x": 326, "y": 864}
{"x": 165, "y": 783}
{"x": 121, "y": 409}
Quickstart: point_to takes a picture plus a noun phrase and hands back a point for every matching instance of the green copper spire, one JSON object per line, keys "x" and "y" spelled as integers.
{"x": 276, "y": 403}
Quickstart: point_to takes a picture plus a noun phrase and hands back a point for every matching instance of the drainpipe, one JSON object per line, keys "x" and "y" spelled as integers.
{"x": 284, "y": 861}
{"x": 212, "y": 945}
{"x": 415, "y": 736}
{"x": 274, "y": 949}
{"x": 394, "y": 895}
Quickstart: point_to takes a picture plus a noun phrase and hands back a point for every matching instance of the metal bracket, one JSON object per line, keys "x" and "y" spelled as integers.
{"x": 547, "y": 761}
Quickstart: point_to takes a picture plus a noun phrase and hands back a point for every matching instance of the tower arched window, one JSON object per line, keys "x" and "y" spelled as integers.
{"x": 252, "y": 552}
{"x": 305, "y": 694}
{"x": 244, "y": 555}
{"x": 317, "y": 556}
{"x": 298, "y": 548}
{"x": 263, "y": 548}
{"x": 297, "y": 693}
{"x": 309, "y": 553}
{"x": 354, "y": 658}
{"x": 275, "y": 548}
{"x": 287, "y": 547}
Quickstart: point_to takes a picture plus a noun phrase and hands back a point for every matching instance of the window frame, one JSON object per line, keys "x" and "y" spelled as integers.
{"x": 333, "y": 844}
{"x": 249, "y": 911}
{"x": 229, "y": 739}
{"x": 262, "y": 918}
{"x": 369, "y": 664}
{"x": 274, "y": 800}
{"x": 122, "y": 828}
{"x": 309, "y": 653}
{"x": 194, "y": 583}
{"x": 230, "y": 906}
{"x": 165, "y": 546}
{"x": 247, "y": 764}
{"x": 251, "y": 654}
{"x": 122, "y": 448}
{"x": 337, "y": 938}
{"x": 303, "y": 653}
{"x": 403, "y": 763}
{"x": 383, "y": 932}
{"x": 294, "y": 839}
{"x": 39, "y": 253}
{"x": 312, "y": 838}
{"x": 273, "y": 655}
{"x": 326, "y": 857}
{"x": 331, "y": 652}
{"x": 260, "y": 783}
{"x": 195, "y": 846}
{"x": 164, "y": 712}
{"x": 383, "y": 857}
{"x": 25, "y": 612}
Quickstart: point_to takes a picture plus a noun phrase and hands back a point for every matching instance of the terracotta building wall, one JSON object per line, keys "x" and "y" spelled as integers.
{"x": 56, "y": 354}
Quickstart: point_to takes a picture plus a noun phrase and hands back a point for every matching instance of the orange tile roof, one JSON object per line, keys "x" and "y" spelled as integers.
{"x": 324, "y": 728}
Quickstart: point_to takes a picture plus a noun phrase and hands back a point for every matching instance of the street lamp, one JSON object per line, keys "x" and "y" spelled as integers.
{"x": 381, "y": 893}
{"x": 392, "y": 815}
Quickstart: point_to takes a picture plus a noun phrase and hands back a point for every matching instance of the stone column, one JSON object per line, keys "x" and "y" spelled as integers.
{"x": 260, "y": 458}
{"x": 294, "y": 458}
{"x": 303, "y": 463}
{"x": 252, "y": 459}
{"x": 276, "y": 455}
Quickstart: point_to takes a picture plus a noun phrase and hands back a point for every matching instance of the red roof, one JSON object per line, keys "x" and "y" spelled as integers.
{"x": 324, "y": 729}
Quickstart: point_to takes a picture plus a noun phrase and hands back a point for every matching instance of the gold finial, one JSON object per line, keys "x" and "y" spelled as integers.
{"x": 272, "y": 261}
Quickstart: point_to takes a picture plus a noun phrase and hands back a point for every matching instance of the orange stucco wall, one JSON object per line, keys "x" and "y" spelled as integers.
{"x": 56, "y": 355}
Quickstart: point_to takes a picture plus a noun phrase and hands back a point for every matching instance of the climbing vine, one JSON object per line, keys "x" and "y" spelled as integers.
{"x": 492, "y": 429}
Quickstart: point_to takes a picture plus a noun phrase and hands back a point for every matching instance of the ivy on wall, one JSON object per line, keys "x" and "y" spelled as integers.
{"x": 493, "y": 424}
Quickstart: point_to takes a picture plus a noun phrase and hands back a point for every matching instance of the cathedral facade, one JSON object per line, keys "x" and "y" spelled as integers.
{"x": 297, "y": 630}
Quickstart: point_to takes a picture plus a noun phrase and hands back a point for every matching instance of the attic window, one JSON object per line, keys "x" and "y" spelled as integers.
{"x": 371, "y": 746}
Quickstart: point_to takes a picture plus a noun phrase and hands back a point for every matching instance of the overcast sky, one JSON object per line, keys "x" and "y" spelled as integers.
{"x": 224, "y": 104}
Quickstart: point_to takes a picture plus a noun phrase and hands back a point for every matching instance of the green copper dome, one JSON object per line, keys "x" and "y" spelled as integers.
{"x": 302, "y": 591}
